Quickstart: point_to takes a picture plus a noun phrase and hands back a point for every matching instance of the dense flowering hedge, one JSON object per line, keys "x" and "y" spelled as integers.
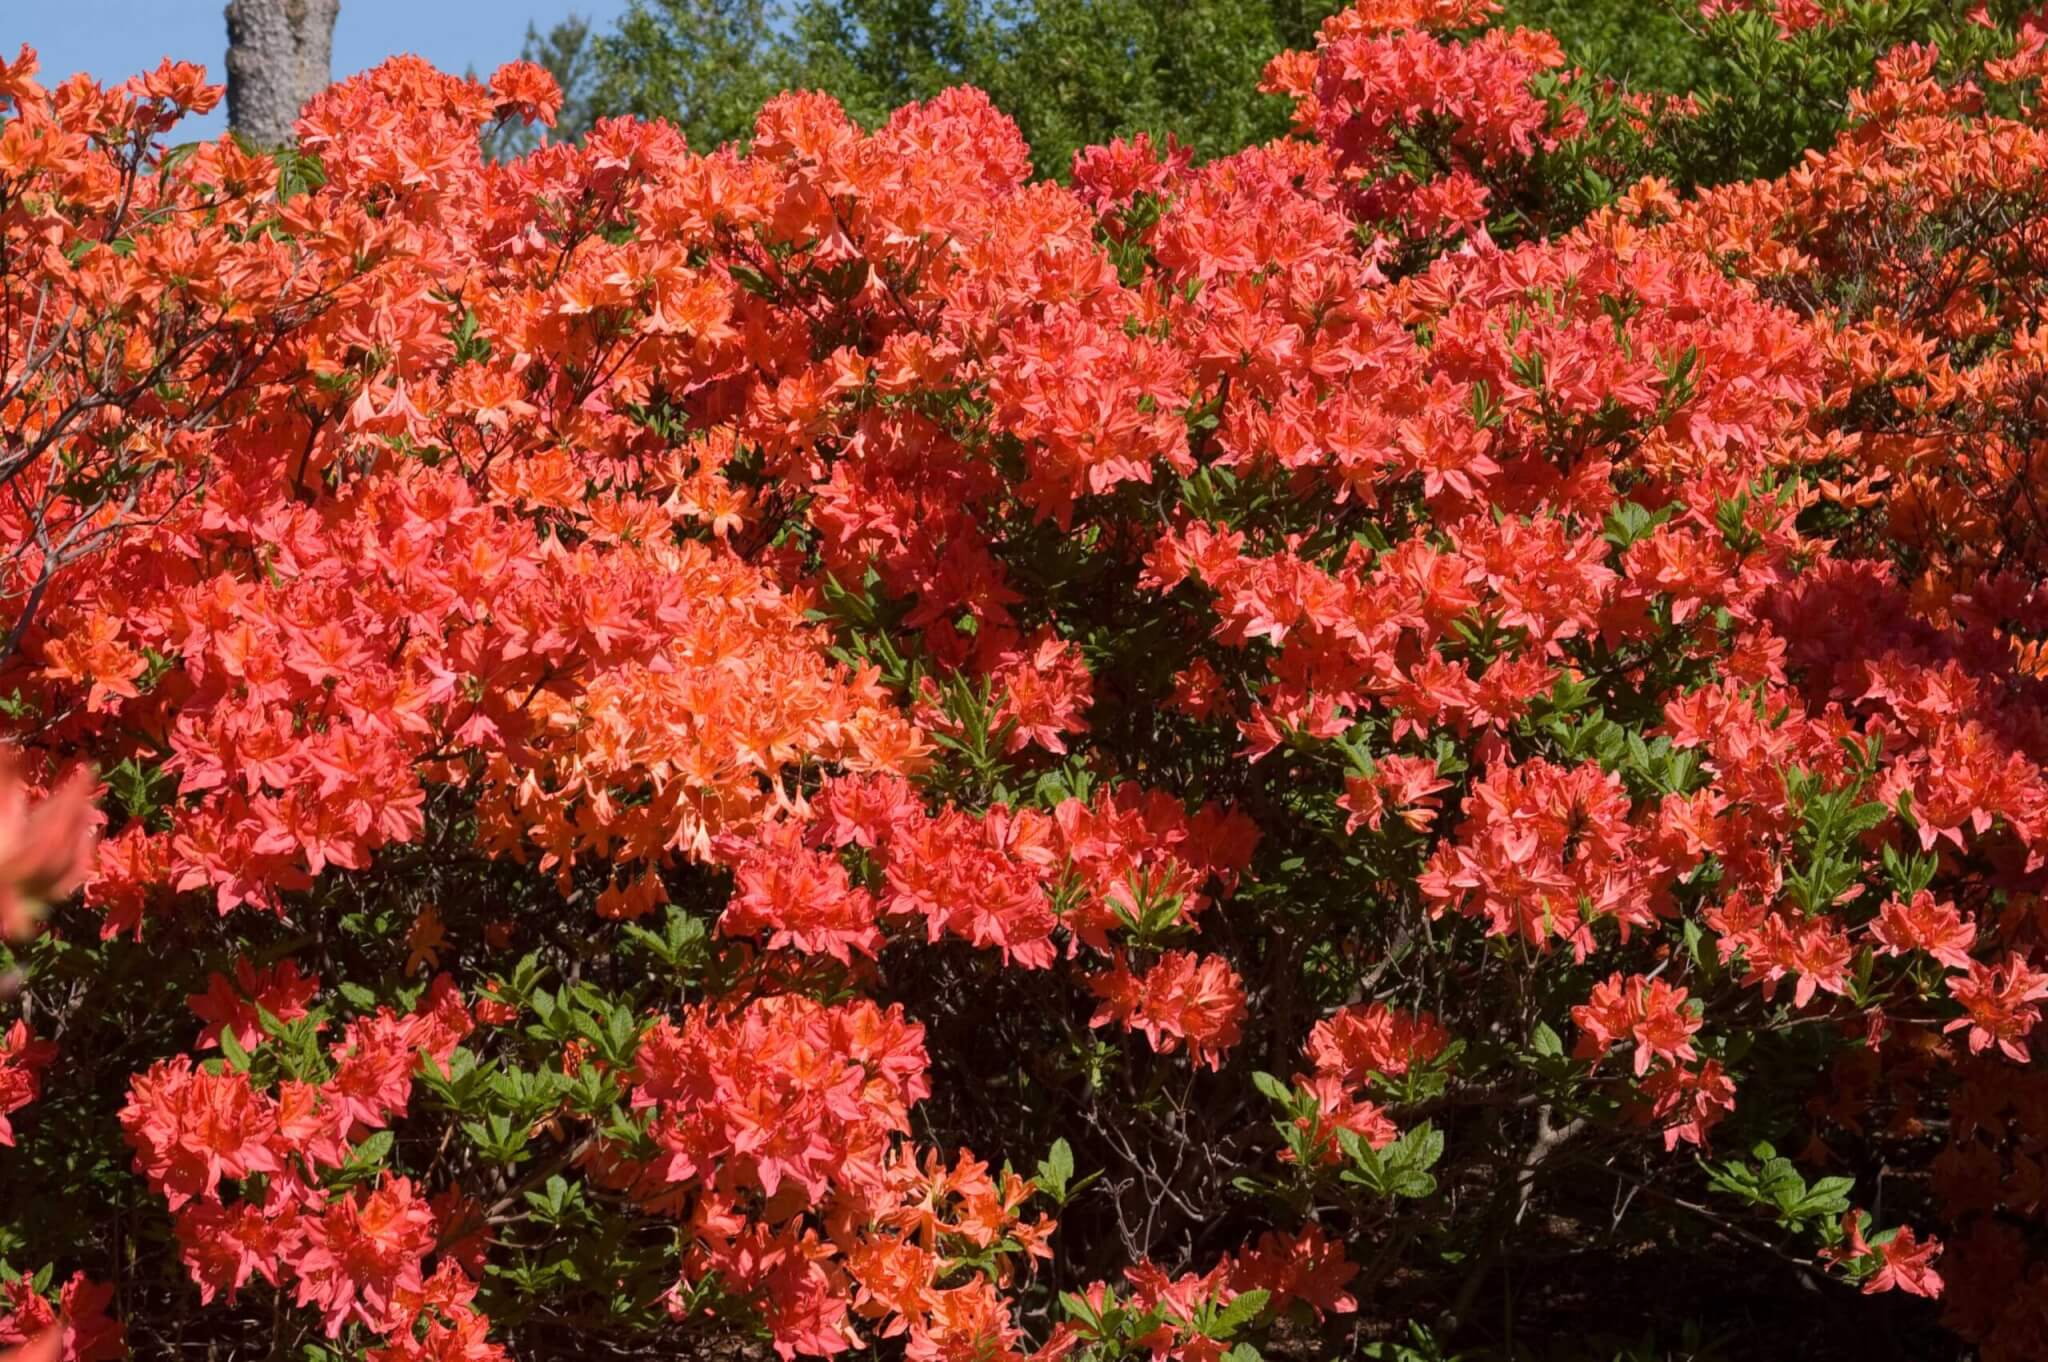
{"x": 831, "y": 748}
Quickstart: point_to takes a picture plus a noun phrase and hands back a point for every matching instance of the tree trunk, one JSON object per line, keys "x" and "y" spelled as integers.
{"x": 280, "y": 54}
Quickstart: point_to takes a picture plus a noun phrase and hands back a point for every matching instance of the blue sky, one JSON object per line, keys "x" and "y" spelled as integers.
{"x": 113, "y": 39}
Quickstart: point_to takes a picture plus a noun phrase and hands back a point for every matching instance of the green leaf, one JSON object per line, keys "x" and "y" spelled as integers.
{"x": 298, "y": 172}
{"x": 1630, "y": 522}
{"x": 1273, "y": 1088}
{"x": 1077, "y": 1307}
{"x": 1056, "y": 1170}
{"x": 1411, "y": 1184}
{"x": 1240, "y": 1312}
{"x": 1421, "y": 1147}
{"x": 372, "y": 1152}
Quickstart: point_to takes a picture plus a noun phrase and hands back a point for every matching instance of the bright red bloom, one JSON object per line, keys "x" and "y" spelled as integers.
{"x": 800, "y": 898}
{"x": 77, "y": 1330}
{"x": 374, "y": 1063}
{"x": 1999, "y": 1001}
{"x": 361, "y": 1257}
{"x": 1686, "y": 1104}
{"x": 46, "y": 852}
{"x": 21, "y": 1063}
{"x": 1182, "y": 997}
{"x": 1308, "y": 1267}
{"x": 1648, "y": 1012}
{"x": 1908, "y": 1265}
{"x": 1361, "y": 1041}
{"x": 223, "y": 1246}
{"x": 464, "y": 1338}
{"x": 279, "y": 990}
{"x": 1545, "y": 852}
{"x": 784, "y": 1092}
{"x": 191, "y": 1128}
{"x": 1925, "y": 925}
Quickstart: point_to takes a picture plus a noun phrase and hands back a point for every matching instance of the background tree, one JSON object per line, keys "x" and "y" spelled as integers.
{"x": 280, "y": 54}
{"x": 1071, "y": 72}
{"x": 705, "y": 65}
{"x": 1646, "y": 46}
{"x": 1074, "y": 73}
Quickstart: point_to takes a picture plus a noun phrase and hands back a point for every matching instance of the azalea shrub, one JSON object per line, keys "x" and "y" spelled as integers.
{"x": 1411, "y": 742}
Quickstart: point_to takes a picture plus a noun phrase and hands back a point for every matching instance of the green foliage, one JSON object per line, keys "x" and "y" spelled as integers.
{"x": 1765, "y": 96}
{"x": 1644, "y": 44}
{"x": 1071, "y": 72}
{"x": 705, "y": 65}
{"x": 1774, "y": 1184}
{"x": 1079, "y": 72}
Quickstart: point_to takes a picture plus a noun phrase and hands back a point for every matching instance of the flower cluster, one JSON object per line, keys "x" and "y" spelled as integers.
{"x": 356, "y": 1255}
{"x": 646, "y": 701}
